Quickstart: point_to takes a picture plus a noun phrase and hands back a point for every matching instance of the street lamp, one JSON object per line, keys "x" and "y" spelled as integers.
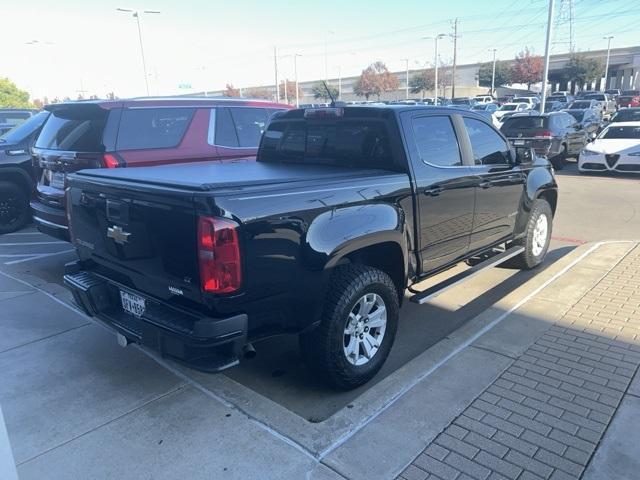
{"x": 406, "y": 77}
{"x": 547, "y": 52}
{"x": 493, "y": 72}
{"x": 435, "y": 64}
{"x": 606, "y": 68}
{"x": 295, "y": 74}
{"x": 136, "y": 15}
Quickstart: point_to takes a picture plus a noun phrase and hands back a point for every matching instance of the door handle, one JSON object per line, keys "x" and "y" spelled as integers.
{"x": 434, "y": 191}
{"x": 485, "y": 184}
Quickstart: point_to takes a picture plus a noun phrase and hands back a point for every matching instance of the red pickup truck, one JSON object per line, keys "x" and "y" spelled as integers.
{"x": 136, "y": 133}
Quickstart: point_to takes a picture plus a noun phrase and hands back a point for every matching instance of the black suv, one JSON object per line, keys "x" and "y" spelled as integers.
{"x": 17, "y": 177}
{"x": 555, "y": 135}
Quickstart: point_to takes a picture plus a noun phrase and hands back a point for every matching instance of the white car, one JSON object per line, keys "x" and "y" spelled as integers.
{"x": 483, "y": 99}
{"x": 616, "y": 149}
{"x": 510, "y": 108}
{"x": 531, "y": 101}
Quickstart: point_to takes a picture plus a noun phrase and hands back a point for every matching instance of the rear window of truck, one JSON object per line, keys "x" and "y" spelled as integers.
{"x": 353, "y": 143}
{"x": 147, "y": 128}
{"x": 74, "y": 128}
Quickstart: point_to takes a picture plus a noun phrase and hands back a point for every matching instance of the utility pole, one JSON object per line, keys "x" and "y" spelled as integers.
{"x": 493, "y": 72}
{"x": 275, "y": 64}
{"x": 406, "y": 77}
{"x": 455, "y": 57}
{"x": 571, "y": 43}
{"x": 435, "y": 64}
{"x": 547, "y": 51}
{"x": 339, "y": 83}
{"x": 286, "y": 96}
{"x": 606, "y": 68}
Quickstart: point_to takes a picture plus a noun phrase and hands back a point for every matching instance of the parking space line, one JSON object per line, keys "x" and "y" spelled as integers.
{"x": 38, "y": 257}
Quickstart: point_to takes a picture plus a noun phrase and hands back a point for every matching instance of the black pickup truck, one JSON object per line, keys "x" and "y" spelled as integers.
{"x": 344, "y": 209}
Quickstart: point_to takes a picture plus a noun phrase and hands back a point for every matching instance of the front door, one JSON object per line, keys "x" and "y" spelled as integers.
{"x": 444, "y": 189}
{"x": 499, "y": 185}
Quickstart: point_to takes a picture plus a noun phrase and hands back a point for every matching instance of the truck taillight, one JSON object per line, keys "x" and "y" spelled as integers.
{"x": 219, "y": 255}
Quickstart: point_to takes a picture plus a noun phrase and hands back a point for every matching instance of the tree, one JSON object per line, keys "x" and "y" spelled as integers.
{"x": 291, "y": 91}
{"x": 421, "y": 82}
{"x": 581, "y": 70}
{"x": 11, "y": 96}
{"x": 230, "y": 91}
{"x": 375, "y": 80}
{"x": 503, "y": 73}
{"x": 320, "y": 93}
{"x": 527, "y": 68}
{"x": 259, "y": 92}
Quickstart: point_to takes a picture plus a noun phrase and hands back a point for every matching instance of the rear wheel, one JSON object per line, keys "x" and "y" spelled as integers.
{"x": 14, "y": 207}
{"x": 537, "y": 236}
{"x": 357, "y": 328}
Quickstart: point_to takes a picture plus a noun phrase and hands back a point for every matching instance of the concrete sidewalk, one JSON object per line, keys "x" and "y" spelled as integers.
{"x": 565, "y": 395}
{"x": 530, "y": 388}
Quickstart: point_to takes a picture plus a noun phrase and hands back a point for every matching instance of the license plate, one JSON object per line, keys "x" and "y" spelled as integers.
{"x": 133, "y": 304}
{"x": 57, "y": 180}
{"x": 518, "y": 142}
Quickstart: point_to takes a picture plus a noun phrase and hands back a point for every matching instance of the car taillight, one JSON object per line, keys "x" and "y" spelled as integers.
{"x": 110, "y": 161}
{"x": 219, "y": 255}
{"x": 543, "y": 134}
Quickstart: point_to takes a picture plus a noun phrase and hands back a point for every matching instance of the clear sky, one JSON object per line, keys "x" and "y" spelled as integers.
{"x": 88, "y": 45}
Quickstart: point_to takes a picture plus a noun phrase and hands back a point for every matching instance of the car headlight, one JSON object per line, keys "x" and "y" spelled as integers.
{"x": 588, "y": 153}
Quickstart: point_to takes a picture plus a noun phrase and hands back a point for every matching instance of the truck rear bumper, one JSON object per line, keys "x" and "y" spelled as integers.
{"x": 200, "y": 342}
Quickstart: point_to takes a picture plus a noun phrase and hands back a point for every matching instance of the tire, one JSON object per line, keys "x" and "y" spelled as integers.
{"x": 560, "y": 160}
{"x": 14, "y": 207}
{"x": 324, "y": 349}
{"x": 534, "y": 253}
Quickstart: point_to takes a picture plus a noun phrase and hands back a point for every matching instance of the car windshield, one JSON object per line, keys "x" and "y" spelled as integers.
{"x": 621, "y": 132}
{"x": 479, "y": 107}
{"x": 508, "y": 107}
{"x": 523, "y": 123}
{"x": 577, "y": 114}
{"x": 631, "y": 92}
{"x": 521, "y": 99}
{"x": 20, "y": 132}
{"x": 581, "y": 104}
{"x": 461, "y": 101}
{"x": 13, "y": 118}
{"x": 596, "y": 96}
{"x": 626, "y": 116}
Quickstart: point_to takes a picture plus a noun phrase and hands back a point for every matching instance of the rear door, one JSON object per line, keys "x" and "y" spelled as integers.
{"x": 499, "y": 185}
{"x": 444, "y": 188}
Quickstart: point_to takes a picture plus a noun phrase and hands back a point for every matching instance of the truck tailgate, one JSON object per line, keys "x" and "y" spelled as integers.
{"x": 141, "y": 238}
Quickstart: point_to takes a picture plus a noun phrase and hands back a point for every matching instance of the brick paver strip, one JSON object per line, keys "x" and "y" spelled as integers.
{"x": 545, "y": 414}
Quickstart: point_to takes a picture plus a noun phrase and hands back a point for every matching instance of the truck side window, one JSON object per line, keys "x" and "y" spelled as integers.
{"x": 225, "y": 135}
{"x": 488, "y": 147}
{"x": 436, "y": 141}
{"x": 250, "y": 123}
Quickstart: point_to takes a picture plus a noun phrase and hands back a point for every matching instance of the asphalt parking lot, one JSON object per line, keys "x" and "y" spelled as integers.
{"x": 591, "y": 208}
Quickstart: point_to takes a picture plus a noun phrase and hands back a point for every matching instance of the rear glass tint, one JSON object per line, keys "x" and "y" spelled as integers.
{"x": 75, "y": 128}
{"x": 148, "y": 128}
{"x": 361, "y": 143}
{"x": 515, "y": 123}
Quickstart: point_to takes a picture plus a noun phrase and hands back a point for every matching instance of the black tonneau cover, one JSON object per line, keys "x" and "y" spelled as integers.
{"x": 204, "y": 176}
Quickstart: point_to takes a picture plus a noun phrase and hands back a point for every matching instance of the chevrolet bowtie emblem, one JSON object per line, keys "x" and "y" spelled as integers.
{"x": 118, "y": 235}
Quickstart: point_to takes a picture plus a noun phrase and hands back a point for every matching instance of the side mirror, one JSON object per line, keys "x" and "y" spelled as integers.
{"x": 524, "y": 155}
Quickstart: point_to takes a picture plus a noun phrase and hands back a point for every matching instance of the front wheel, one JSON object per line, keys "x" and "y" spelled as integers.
{"x": 537, "y": 236}
{"x": 357, "y": 328}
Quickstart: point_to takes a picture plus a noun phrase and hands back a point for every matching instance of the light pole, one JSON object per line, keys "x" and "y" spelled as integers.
{"x": 493, "y": 71}
{"x": 547, "y": 51}
{"x": 275, "y": 65}
{"x": 406, "y": 77}
{"x": 136, "y": 15}
{"x": 295, "y": 73}
{"x": 435, "y": 65}
{"x": 606, "y": 68}
{"x": 339, "y": 82}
